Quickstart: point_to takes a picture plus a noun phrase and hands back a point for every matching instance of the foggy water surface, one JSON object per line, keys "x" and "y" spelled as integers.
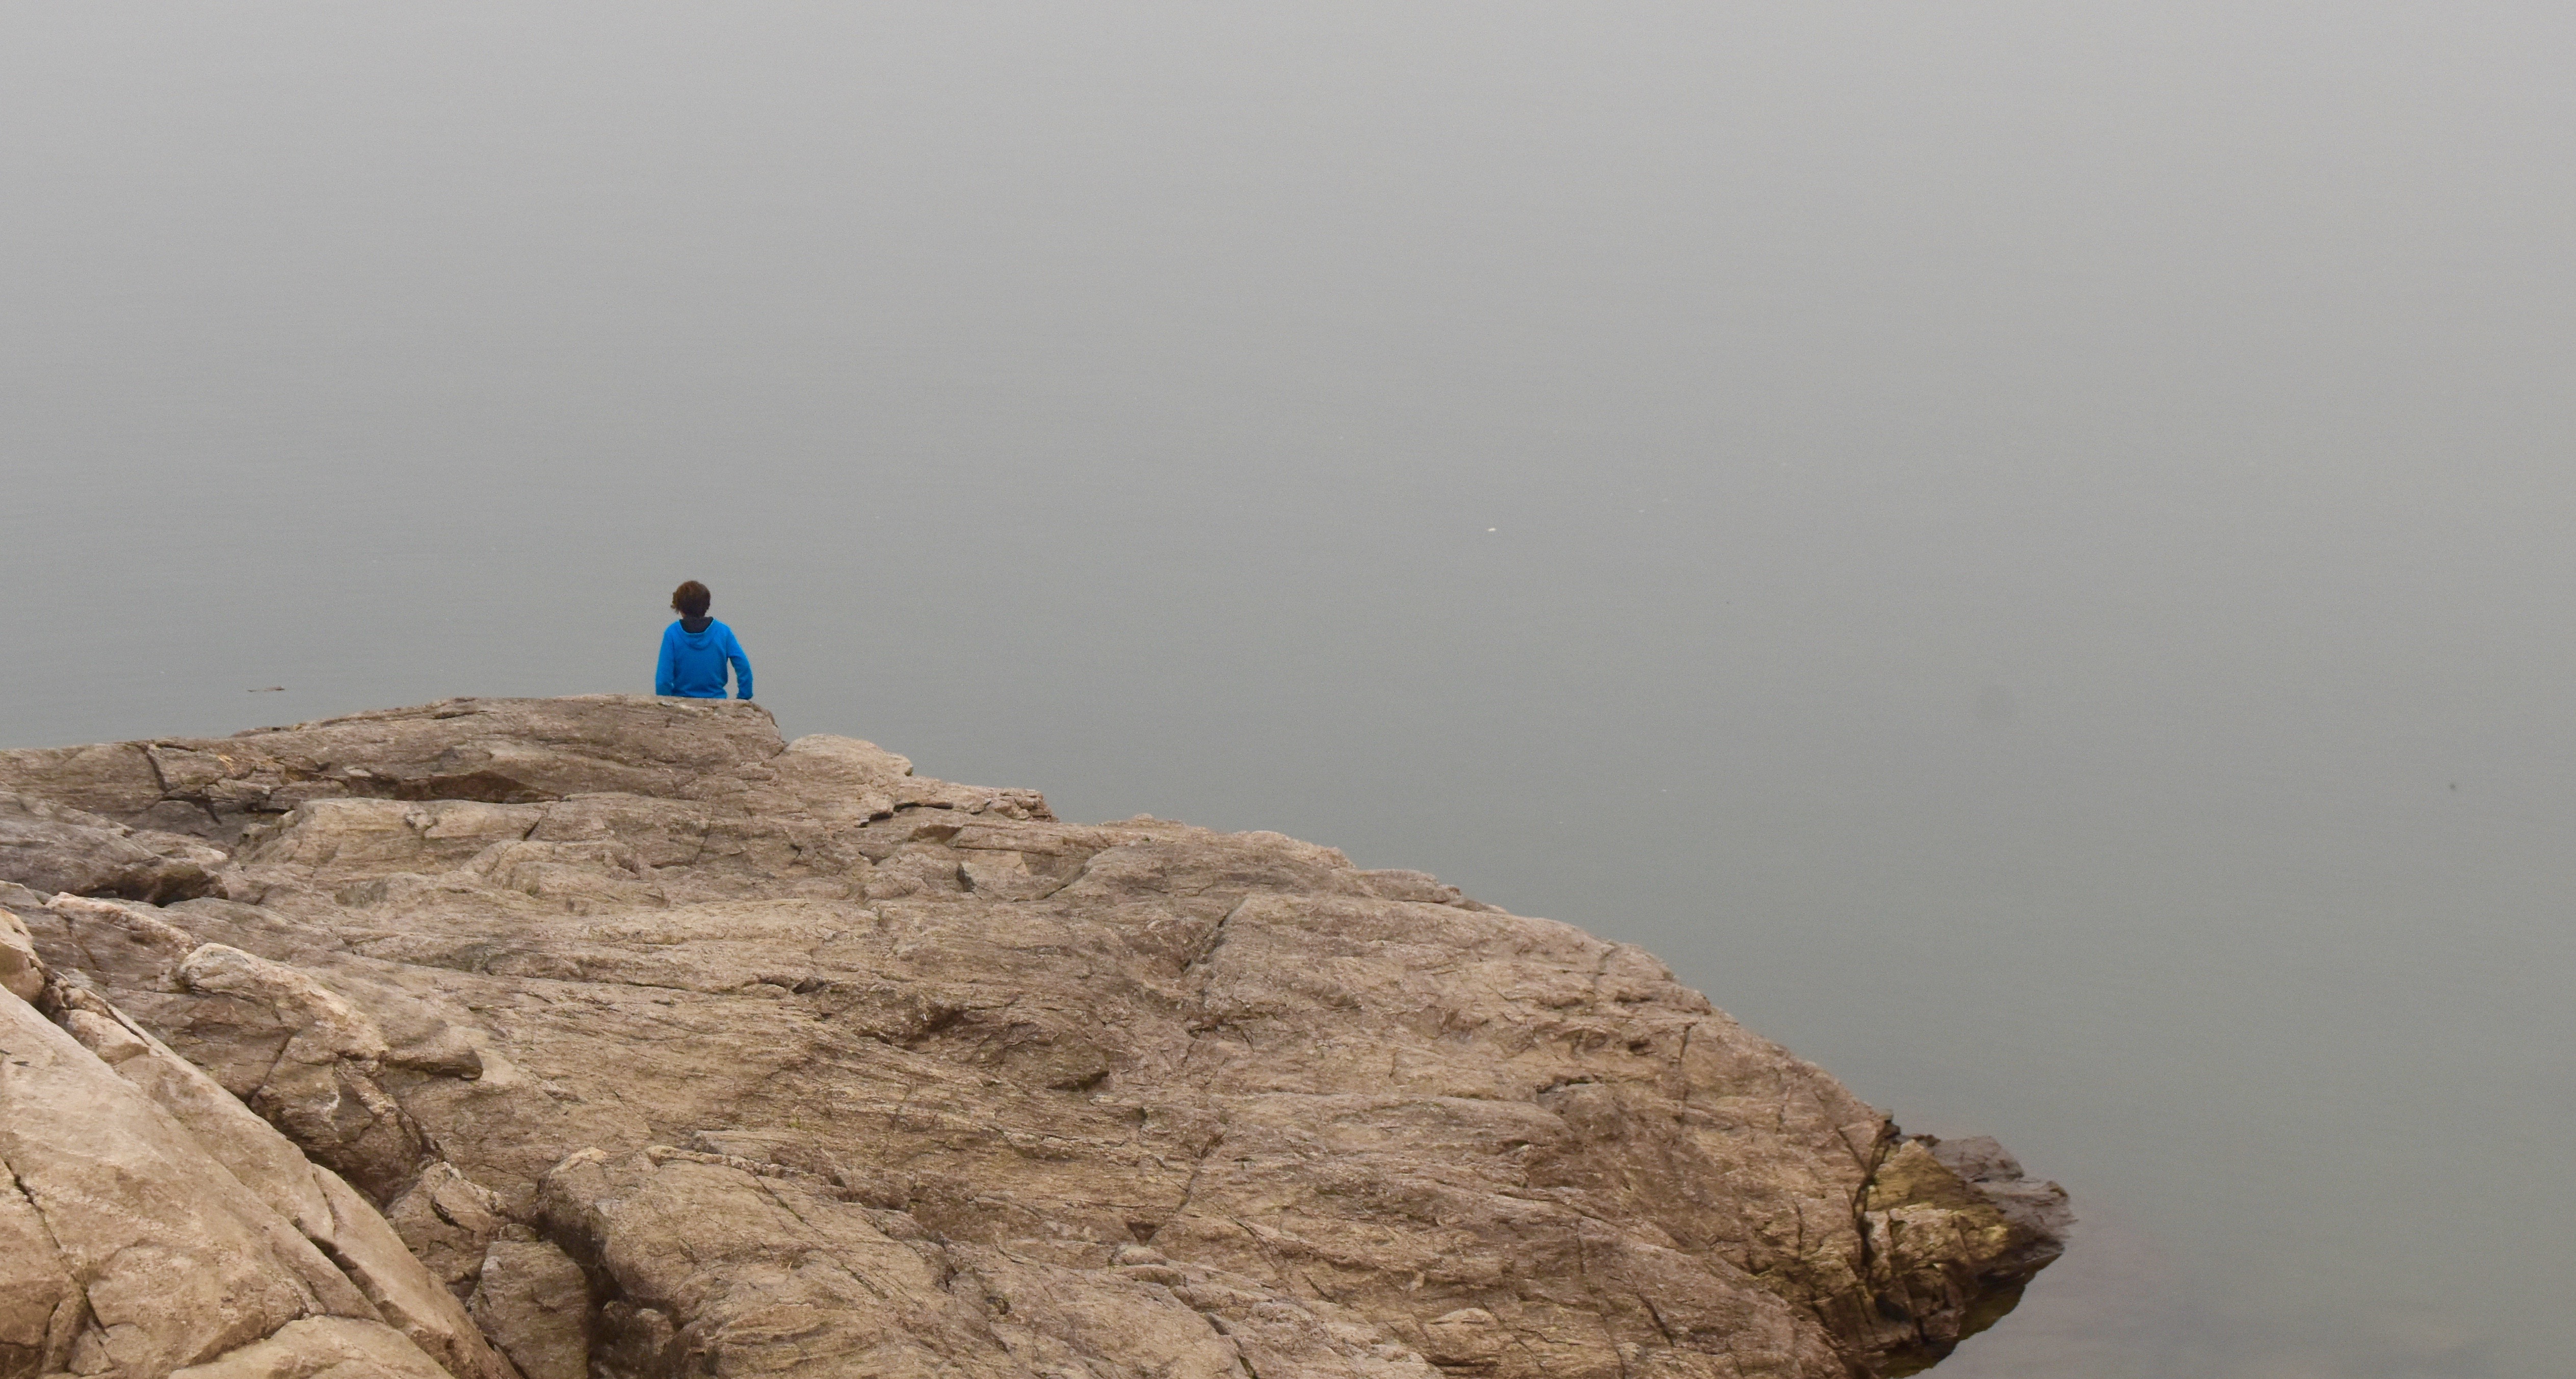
{"x": 2023, "y": 548}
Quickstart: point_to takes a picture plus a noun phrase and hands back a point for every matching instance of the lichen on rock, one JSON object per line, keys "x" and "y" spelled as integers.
{"x": 654, "y": 1044}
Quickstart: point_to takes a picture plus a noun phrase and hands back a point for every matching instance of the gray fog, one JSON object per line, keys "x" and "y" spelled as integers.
{"x": 2022, "y": 547}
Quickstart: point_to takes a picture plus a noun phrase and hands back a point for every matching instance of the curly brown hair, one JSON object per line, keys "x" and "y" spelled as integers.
{"x": 690, "y": 600}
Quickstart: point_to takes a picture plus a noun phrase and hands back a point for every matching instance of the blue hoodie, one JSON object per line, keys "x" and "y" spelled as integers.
{"x": 693, "y": 663}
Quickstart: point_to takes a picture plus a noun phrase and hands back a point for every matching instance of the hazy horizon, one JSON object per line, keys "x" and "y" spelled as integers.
{"x": 2023, "y": 548}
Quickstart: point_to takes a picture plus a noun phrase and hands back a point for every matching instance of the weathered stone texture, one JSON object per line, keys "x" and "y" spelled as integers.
{"x": 672, "y": 1048}
{"x": 151, "y": 1222}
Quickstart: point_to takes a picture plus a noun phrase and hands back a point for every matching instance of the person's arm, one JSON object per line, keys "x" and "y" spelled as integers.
{"x": 666, "y": 674}
{"x": 741, "y": 665}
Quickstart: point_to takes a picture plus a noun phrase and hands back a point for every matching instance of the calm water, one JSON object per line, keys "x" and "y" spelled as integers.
{"x": 2024, "y": 547}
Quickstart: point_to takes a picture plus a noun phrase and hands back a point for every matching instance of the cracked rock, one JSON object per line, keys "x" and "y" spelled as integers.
{"x": 677, "y": 1048}
{"x": 51, "y": 847}
{"x": 534, "y": 1303}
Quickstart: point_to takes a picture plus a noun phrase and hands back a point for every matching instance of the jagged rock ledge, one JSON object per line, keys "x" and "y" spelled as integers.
{"x": 615, "y": 1036}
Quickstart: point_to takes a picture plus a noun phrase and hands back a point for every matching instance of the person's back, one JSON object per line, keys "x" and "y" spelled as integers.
{"x": 696, "y": 650}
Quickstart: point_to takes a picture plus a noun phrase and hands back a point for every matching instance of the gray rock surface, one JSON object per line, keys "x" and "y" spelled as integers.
{"x": 533, "y": 1301}
{"x": 676, "y": 1048}
{"x": 51, "y": 847}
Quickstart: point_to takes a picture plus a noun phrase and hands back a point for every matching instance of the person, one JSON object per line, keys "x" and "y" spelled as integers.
{"x": 696, "y": 649}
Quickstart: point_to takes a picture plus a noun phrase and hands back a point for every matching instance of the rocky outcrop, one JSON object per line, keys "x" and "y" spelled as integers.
{"x": 653, "y": 1045}
{"x": 149, "y": 1222}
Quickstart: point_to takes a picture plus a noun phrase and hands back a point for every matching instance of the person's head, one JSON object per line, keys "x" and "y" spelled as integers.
{"x": 690, "y": 600}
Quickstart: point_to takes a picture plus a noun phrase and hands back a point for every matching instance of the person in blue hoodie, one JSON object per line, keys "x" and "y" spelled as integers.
{"x": 696, "y": 649}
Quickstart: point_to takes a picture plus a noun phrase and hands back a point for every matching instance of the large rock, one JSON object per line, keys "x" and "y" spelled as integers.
{"x": 149, "y": 1223}
{"x": 534, "y": 1302}
{"x": 799, "y": 1062}
{"x": 51, "y": 847}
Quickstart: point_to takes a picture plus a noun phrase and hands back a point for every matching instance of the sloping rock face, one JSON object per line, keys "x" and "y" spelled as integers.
{"x": 660, "y": 1046}
{"x": 150, "y": 1224}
